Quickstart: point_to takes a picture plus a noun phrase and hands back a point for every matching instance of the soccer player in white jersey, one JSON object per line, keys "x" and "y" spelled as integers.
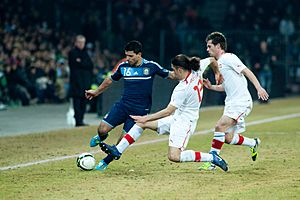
{"x": 238, "y": 102}
{"x": 179, "y": 118}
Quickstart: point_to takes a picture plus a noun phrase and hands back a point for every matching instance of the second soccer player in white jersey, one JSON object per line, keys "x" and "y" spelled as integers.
{"x": 179, "y": 118}
{"x": 238, "y": 102}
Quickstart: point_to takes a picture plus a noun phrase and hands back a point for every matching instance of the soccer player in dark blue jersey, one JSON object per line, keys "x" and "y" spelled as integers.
{"x": 138, "y": 74}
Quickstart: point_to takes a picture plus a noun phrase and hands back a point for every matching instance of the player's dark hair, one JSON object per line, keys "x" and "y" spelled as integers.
{"x": 134, "y": 46}
{"x": 186, "y": 62}
{"x": 217, "y": 38}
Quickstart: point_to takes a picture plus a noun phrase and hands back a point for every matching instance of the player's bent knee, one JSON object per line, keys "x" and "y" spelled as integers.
{"x": 173, "y": 157}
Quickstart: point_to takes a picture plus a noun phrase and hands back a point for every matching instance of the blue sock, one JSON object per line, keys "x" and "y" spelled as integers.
{"x": 108, "y": 159}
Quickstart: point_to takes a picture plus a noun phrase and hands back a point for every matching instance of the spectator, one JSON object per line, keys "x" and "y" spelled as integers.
{"x": 16, "y": 81}
{"x": 286, "y": 27}
{"x": 62, "y": 79}
{"x": 263, "y": 66}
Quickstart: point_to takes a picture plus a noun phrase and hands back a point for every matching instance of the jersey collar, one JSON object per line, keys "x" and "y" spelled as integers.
{"x": 186, "y": 78}
{"x": 141, "y": 62}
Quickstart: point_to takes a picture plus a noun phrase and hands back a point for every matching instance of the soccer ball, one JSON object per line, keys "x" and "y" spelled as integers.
{"x": 86, "y": 161}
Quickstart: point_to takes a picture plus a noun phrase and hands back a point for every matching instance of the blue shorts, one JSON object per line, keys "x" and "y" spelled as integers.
{"x": 119, "y": 114}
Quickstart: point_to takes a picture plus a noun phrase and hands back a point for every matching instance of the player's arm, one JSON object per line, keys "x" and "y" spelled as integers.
{"x": 215, "y": 67}
{"x": 208, "y": 85}
{"x": 261, "y": 92}
{"x": 213, "y": 64}
{"x": 172, "y": 75}
{"x": 117, "y": 75}
{"x": 170, "y": 109}
{"x": 164, "y": 73}
{"x": 89, "y": 94}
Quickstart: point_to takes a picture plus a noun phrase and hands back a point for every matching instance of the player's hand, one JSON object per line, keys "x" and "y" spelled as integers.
{"x": 207, "y": 83}
{"x": 89, "y": 94}
{"x": 139, "y": 119}
{"x": 219, "y": 78}
{"x": 262, "y": 94}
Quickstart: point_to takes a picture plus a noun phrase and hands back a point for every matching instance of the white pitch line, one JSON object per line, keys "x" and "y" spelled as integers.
{"x": 272, "y": 119}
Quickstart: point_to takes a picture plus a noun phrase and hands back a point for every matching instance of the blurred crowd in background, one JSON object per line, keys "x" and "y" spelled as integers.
{"x": 36, "y": 36}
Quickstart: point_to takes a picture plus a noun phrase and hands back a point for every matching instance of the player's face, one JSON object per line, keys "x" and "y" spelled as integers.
{"x": 211, "y": 48}
{"x": 133, "y": 58}
{"x": 176, "y": 72}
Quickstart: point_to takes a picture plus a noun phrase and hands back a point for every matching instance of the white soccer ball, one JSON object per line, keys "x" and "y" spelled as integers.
{"x": 86, "y": 161}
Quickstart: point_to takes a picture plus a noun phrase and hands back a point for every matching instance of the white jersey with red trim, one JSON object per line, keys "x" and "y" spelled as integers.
{"x": 187, "y": 95}
{"x": 235, "y": 83}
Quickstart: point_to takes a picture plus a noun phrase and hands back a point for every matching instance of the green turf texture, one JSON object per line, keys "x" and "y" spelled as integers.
{"x": 144, "y": 171}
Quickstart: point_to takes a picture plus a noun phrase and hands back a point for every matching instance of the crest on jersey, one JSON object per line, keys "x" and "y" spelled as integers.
{"x": 146, "y": 71}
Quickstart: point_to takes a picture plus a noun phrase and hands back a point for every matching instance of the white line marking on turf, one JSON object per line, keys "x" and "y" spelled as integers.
{"x": 272, "y": 119}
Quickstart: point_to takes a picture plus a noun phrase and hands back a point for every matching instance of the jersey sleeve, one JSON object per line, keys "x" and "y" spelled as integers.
{"x": 236, "y": 63}
{"x": 117, "y": 75}
{"x": 204, "y": 63}
{"x": 164, "y": 73}
{"x": 178, "y": 97}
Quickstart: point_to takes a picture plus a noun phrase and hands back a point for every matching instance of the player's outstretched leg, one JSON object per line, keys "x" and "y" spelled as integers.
{"x": 110, "y": 150}
{"x": 218, "y": 161}
{"x": 254, "y": 149}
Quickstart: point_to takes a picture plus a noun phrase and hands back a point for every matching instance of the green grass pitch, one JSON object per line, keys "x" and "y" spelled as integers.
{"x": 144, "y": 171}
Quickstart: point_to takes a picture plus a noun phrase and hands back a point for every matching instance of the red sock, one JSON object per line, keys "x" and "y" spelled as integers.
{"x": 241, "y": 140}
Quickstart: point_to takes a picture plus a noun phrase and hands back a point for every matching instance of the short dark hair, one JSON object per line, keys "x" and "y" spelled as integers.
{"x": 134, "y": 46}
{"x": 217, "y": 38}
{"x": 186, "y": 62}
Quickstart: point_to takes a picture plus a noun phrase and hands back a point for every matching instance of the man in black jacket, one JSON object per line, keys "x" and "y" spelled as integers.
{"x": 81, "y": 71}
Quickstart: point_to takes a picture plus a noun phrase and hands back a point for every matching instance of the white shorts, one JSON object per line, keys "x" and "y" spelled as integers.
{"x": 180, "y": 130}
{"x": 238, "y": 113}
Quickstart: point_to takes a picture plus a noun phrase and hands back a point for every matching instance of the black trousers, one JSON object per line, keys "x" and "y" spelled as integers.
{"x": 79, "y": 105}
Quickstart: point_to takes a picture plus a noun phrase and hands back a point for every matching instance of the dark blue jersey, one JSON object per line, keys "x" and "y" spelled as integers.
{"x": 138, "y": 82}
